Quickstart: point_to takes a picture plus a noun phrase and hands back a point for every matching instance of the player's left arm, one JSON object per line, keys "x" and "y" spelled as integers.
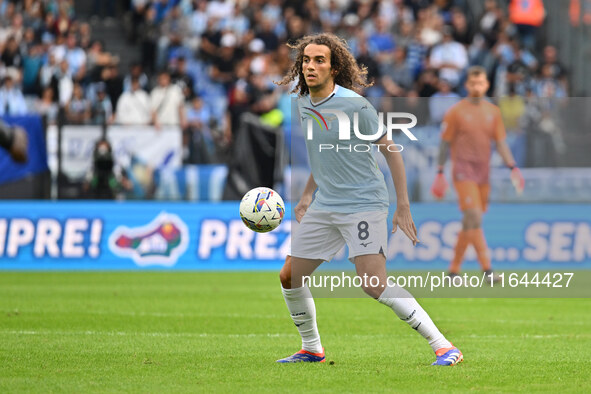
{"x": 402, "y": 217}
{"x": 505, "y": 153}
{"x": 369, "y": 122}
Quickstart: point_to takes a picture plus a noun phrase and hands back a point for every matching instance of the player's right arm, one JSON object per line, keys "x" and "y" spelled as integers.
{"x": 443, "y": 153}
{"x": 440, "y": 186}
{"x": 448, "y": 131}
{"x": 306, "y": 199}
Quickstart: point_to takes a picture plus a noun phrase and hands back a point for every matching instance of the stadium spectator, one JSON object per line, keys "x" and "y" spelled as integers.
{"x": 442, "y": 101}
{"x": 449, "y": 58}
{"x": 13, "y": 27}
{"x": 331, "y": 16}
{"x": 136, "y": 71}
{"x": 416, "y": 51}
{"x": 85, "y": 36}
{"x": 46, "y": 106}
{"x": 373, "y": 68}
{"x": 210, "y": 40}
{"x": 268, "y": 36}
{"x": 528, "y": 16}
{"x": 12, "y": 101}
{"x": 46, "y": 31}
{"x": 402, "y": 13}
{"x": 546, "y": 85}
{"x": 97, "y": 59}
{"x": 101, "y": 106}
{"x": 490, "y": 23}
{"x": 512, "y": 109}
{"x": 296, "y": 29}
{"x": 76, "y": 58}
{"x": 520, "y": 72}
{"x": 544, "y": 136}
{"x": 197, "y": 138}
{"x": 429, "y": 24}
{"x": 255, "y": 55}
{"x": 77, "y": 109}
{"x": 181, "y": 77}
{"x": 381, "y": 42}
{"x": 11, "y": 56}
{"x": 223, "y": 63}
{"x": 65, "y": 11}
{"x": 133, "y": 107}
{"x": 397, "y": 77}
{"x": 172, "y": 33}
{"x": 47, "y": 72}
{"x": 32, "y": 64}
{"x": 428, "y": 83}
{"x": 33, "y": 15}
{"x": 138, "y": 11}
{"x": 113, "y": 81}
{"x": 462, "y": 31}
{"x": 198, "y": 19}
{"x": 272, "y": 10}
{"x": 149, "y": 33}
{"x": 405, "y": 34}
{"x": 167, "y": 103}
{"x": 557, "y": 69}
{"x": 28, "y": 40}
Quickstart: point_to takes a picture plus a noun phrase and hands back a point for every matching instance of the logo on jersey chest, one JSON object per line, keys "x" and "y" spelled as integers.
{"x": 325, "y": 117}
{"x": 323, "y": 120}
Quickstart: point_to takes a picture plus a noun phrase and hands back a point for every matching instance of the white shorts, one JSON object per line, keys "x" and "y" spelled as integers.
{"x": 322, "y": 234}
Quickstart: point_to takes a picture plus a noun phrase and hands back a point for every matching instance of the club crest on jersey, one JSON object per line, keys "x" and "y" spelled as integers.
{"x": 161, "y": 242}
{"x": 317, "y": 117}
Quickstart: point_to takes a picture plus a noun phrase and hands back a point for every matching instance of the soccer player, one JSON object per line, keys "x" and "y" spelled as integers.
{"x": 351, "y": 202}
{"x": 15, "y": 141}
{"x": 469, "y": 128}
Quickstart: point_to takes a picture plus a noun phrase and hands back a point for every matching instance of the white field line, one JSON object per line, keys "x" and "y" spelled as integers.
{"x": 539, "y": 321}
{"x": 283, "y": 316}
{"x": 156, "y": 314}
{"x": 142, "y": 334}
{"x": 268, "y": 335}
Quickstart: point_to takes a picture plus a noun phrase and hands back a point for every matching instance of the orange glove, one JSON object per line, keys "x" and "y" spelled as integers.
{"x": 439, "y": 186}
{"x": 517, "y": 180}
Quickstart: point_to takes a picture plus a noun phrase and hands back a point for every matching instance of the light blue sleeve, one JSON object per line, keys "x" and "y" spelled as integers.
{"x": 369, "y": 122}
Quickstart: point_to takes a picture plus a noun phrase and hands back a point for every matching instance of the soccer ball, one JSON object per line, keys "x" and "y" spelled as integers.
{"x": 262, "y": 209}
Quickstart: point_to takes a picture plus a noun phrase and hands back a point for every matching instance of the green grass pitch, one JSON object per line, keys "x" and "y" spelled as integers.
{"x": 222, "y": 332}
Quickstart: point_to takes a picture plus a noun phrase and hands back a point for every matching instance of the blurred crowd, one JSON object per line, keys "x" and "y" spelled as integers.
{"x": 205, "y": 63}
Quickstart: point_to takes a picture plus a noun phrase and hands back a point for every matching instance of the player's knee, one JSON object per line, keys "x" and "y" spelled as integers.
{"x": 285, "y": 278}
{"x": 373, "y": 291}
{"x": 285, "y": 274}
{"x": 472, "y": 218}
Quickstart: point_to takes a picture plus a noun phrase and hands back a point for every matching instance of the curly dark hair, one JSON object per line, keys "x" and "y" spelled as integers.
{"x": 349, "y": 74}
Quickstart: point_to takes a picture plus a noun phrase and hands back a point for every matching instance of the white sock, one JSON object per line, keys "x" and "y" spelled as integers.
{"x": 409, "y": 310}
{"x": 303, "y": 313}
